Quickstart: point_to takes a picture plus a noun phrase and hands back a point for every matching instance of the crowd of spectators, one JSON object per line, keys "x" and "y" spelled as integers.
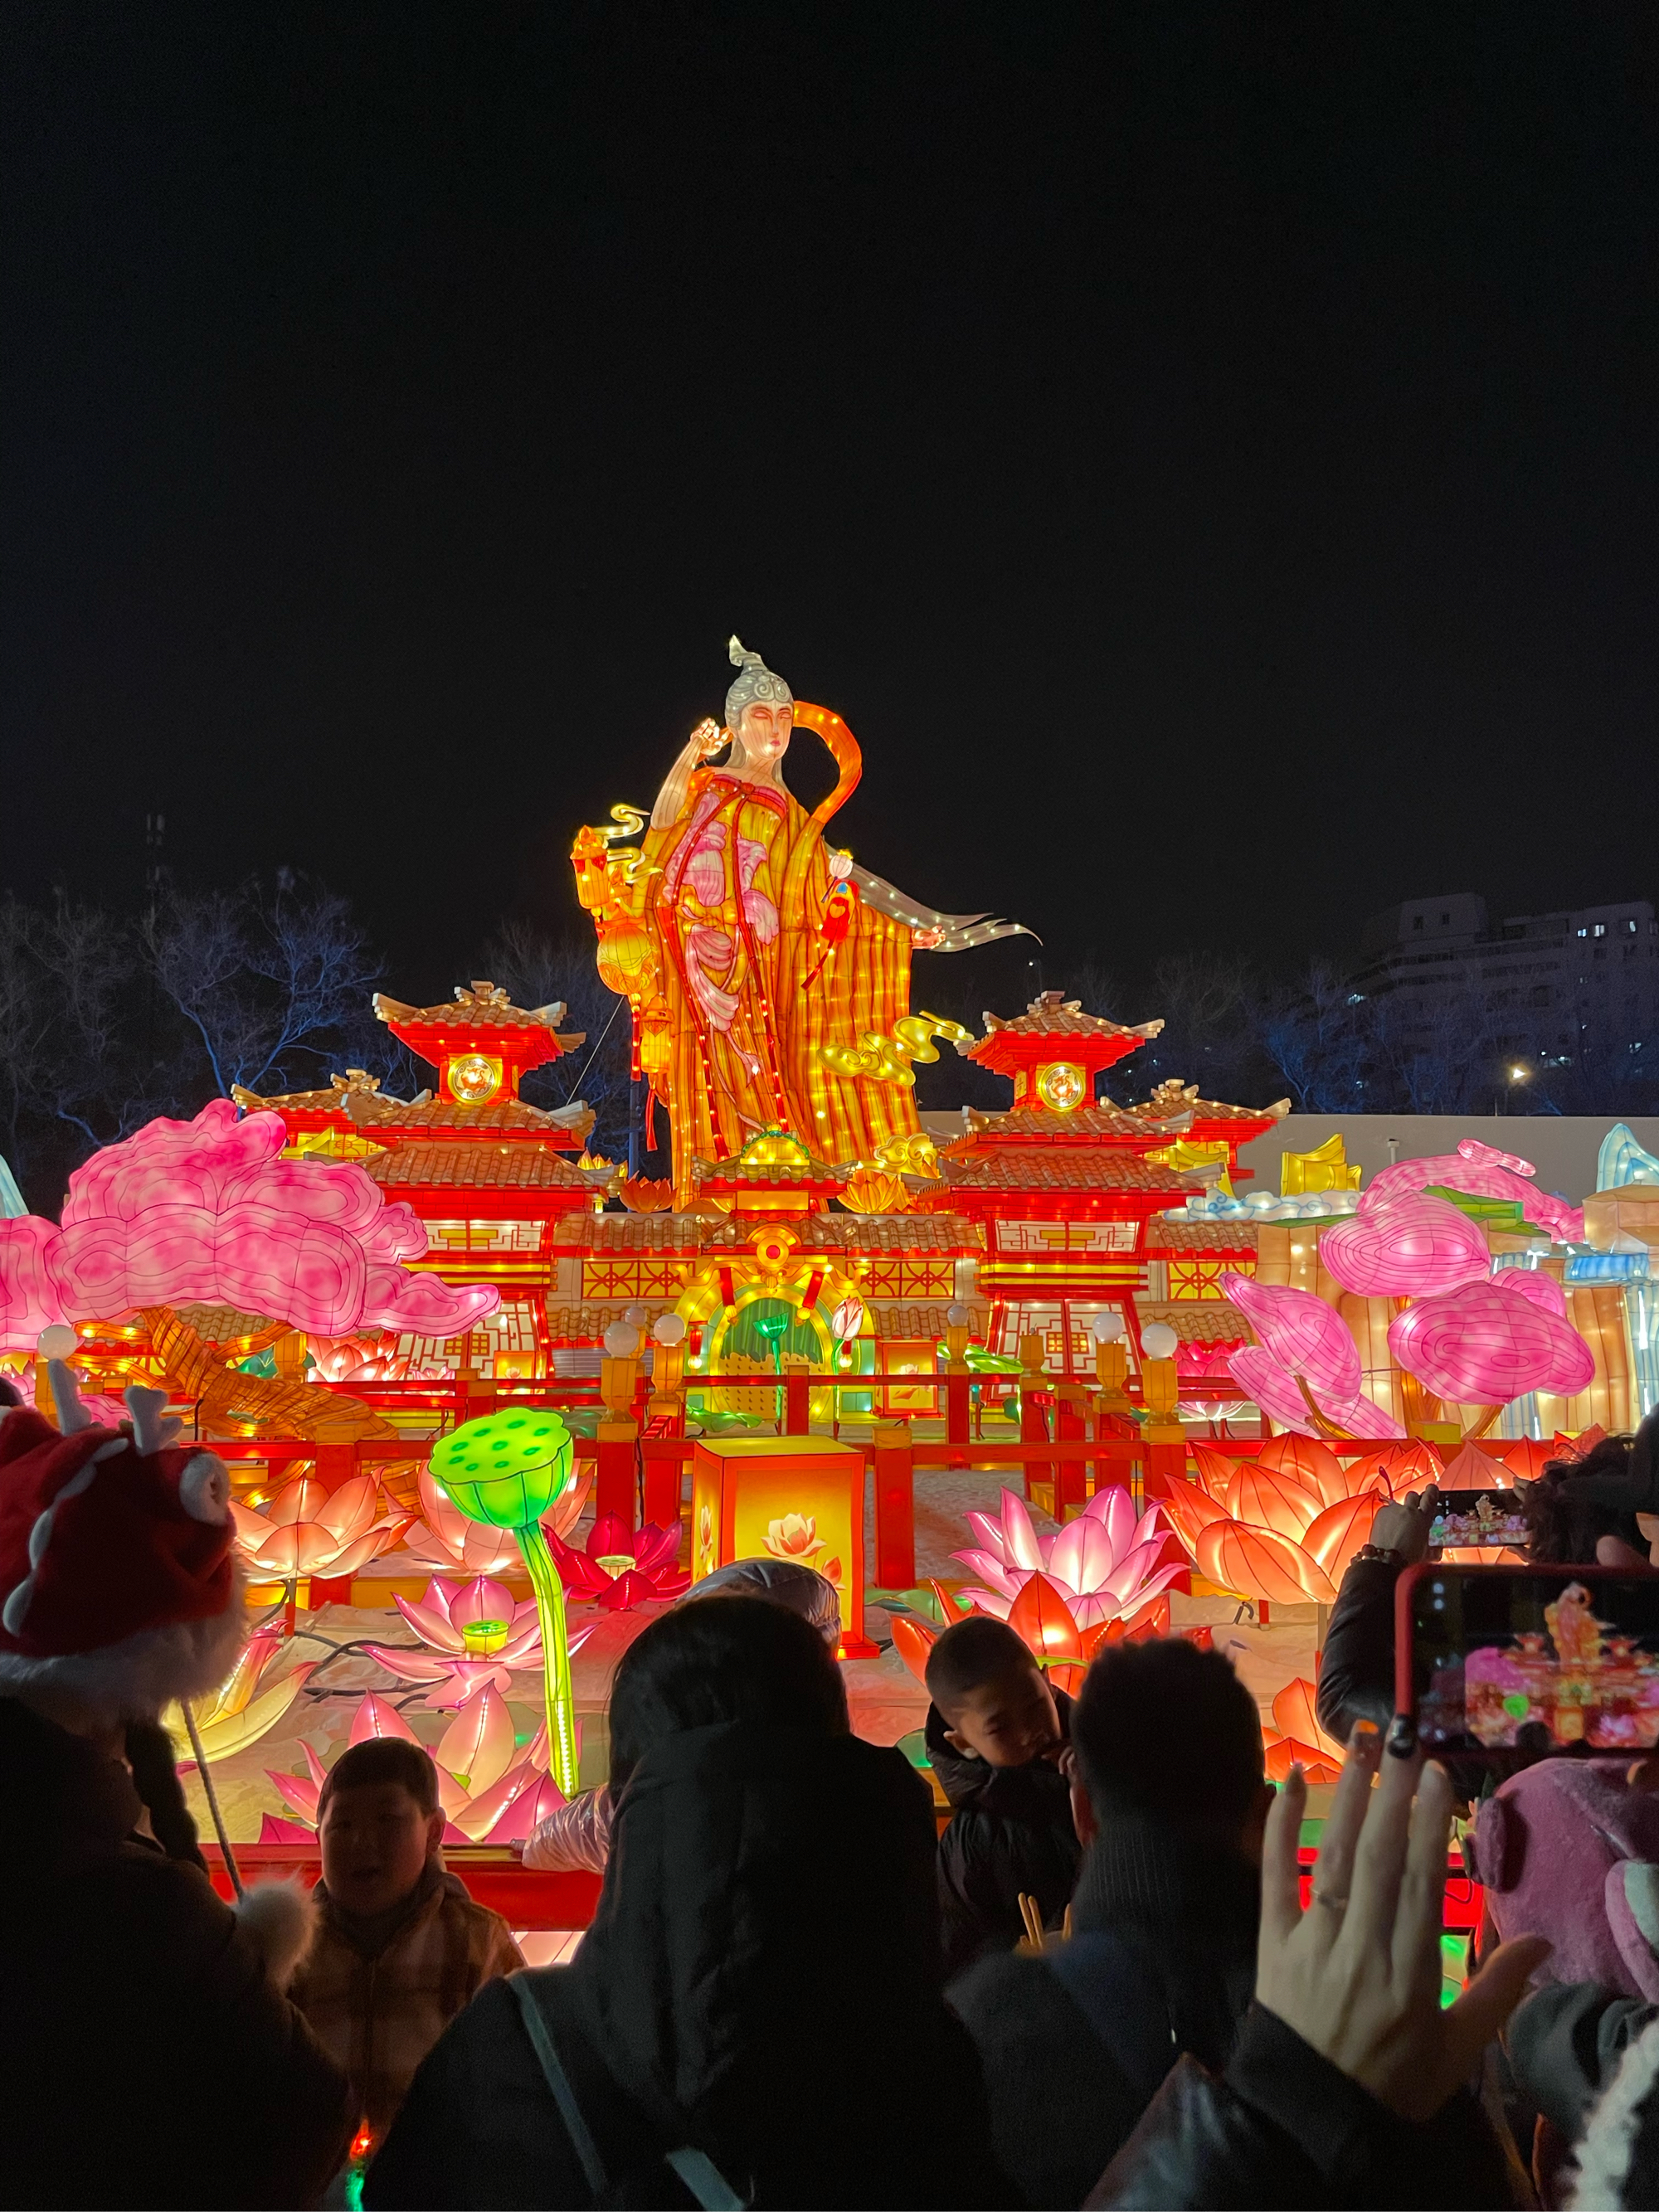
{"x": 1108, "y": 1983}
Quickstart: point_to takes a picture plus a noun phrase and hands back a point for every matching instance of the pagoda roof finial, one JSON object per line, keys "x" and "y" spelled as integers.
{"x": 481, "y": 1004}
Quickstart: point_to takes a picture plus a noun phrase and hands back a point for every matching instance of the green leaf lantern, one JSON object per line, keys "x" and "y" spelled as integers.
{"x": 772, "y": 1327}
{"x": 506, "y": 1470}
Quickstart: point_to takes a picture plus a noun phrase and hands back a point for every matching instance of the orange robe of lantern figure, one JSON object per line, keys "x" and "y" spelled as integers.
{"x": 760, "y": 952}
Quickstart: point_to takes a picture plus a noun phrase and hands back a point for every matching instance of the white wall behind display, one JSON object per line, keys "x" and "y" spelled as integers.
{"x": 1562, "y": 1147}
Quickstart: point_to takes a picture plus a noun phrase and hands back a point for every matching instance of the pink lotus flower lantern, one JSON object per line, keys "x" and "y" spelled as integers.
{"x": 1106, "y": 1564}
{"x": 490, "y": 1792}
{"x": 480, "y": 1634}
{"x": 622, "y": 1567}
{"x": 305, "y": 1530}
{"x": 1302, "y": 1340}
{"x": 369, "y": 1357}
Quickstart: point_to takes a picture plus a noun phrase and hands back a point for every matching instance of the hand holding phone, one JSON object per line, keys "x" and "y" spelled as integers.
{"x": 1405, "y": 1525}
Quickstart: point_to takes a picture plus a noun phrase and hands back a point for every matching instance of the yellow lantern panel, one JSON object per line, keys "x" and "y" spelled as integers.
{"x": 800, "y": 1499}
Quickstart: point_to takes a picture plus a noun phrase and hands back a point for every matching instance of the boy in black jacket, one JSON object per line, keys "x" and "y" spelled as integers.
{"x": 995, "y": 1734}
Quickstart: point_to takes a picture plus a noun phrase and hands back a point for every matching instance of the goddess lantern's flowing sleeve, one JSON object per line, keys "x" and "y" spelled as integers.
{"x": 861, "y": 988}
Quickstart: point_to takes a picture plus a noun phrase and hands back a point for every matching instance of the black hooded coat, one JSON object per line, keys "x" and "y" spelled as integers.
{"x": 761, "y": 1984}
{"x": 147, "y": 2056}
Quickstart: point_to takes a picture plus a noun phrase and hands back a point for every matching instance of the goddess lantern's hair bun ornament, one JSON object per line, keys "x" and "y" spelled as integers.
{"x": 755, "y": 681}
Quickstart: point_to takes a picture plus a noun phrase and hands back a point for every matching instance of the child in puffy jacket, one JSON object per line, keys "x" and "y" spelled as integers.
{"x": 995, "y": 1733}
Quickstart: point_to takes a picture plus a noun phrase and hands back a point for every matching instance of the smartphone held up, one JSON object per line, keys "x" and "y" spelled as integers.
{"x": 1497, "y": 1660}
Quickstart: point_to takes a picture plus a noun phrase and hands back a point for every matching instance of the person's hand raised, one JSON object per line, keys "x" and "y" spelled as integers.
{"x": 1404, "y": 1526}
{"x": 1357, "y": 1974}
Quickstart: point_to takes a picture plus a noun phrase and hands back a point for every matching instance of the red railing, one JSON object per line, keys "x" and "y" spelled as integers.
{"x": 492, "y": 1873}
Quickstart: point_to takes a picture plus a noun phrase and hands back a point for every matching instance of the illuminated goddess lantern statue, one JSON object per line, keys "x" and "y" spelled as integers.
{"x": 769, "y": 975}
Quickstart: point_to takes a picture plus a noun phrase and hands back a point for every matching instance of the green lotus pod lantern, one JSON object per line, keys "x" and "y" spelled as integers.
{"x": 506, "y": 1470}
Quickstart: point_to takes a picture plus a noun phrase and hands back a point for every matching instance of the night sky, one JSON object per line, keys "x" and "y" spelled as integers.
{"x": 1208, "y": 454}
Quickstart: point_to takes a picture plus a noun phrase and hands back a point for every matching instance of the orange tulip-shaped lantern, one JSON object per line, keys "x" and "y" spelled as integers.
{"x": 1282, "y": 1529}
{"x": 1041, "y": 1618}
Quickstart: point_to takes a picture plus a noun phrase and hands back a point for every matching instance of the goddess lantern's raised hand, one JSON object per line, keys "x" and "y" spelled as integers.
{"x": 926, "y": 939}
{"x": 1357, "y": 1974}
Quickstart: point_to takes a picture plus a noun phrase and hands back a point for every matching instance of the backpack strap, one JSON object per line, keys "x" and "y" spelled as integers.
{"x": 1121, "y": 1994}
{"x": 546, "y": 2051}
{"x": 706, "y": 2184}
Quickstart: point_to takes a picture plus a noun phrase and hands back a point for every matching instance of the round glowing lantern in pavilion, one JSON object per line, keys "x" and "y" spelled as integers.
{"x": 506, "y": 1470}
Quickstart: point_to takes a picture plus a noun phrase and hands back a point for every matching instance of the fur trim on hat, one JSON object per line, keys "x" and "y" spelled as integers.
{"x": 280, "y": 1920}
{"x": 1603, "y": 2168}
{"x": 135, "y": 1679}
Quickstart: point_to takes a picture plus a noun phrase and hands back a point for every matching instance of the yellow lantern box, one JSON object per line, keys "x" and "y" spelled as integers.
{"x": 784, "y": 1498}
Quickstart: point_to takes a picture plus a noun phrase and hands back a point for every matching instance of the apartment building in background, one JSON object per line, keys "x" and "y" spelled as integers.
{"x": 1578, "y": 987}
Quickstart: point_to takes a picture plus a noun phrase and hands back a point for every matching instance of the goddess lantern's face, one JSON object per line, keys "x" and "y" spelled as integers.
{"x": 763, "y": 729}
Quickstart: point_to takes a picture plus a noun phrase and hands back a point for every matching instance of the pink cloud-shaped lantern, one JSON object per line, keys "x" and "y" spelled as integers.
{"x": 207, "y": 1210}
{"x": 1301, "y": 1338}
{"x": 1481, "y": 1171}
{"x": 1405, "y": 1245}
{"x": 1489, "y": 1342}
{"x": 1302, "y": 1331}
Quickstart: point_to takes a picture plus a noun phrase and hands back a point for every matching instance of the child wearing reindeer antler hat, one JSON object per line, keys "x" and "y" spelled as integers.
{"x": 149, "y": 2053}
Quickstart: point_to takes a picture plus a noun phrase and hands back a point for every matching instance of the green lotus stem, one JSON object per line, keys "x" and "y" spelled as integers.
{"x": 556, "y": 1656}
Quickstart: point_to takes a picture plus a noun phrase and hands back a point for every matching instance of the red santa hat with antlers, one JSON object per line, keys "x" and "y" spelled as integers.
{"x": 118, "y": 1584}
